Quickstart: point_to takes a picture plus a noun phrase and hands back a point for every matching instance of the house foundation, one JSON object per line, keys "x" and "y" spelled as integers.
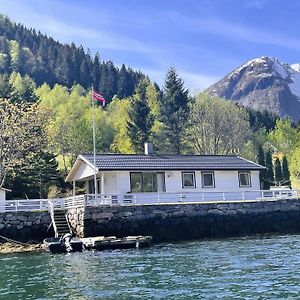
{"x": 174, "y": 222}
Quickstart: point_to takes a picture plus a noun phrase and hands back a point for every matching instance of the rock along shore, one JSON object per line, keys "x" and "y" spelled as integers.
{"x": 7, "y": 248}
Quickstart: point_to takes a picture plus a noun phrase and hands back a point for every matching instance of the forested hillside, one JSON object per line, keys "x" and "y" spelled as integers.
{"x": 45, "y": 60}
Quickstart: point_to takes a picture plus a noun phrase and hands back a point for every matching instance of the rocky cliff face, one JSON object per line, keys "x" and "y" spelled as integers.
{"x": 263, "y": 83}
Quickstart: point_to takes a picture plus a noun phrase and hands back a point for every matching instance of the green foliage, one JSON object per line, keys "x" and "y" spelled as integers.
{"x": 295, "y": 163}
{"x": 217, "y": 126}
{"x": 269, "y": 179}
{"x": 285, "y": 136}
{"x": 140, "y": 120}
{"x": 35, "y": 180}
{"x": 47, "y": 61}
{"x": 261, "y": 119}
{"x": 69, "y": 126}
{"x": 261, "y": 161}
{"x": 118, "y": 111}
{"x": 285, "y": 171}
{"x": 21, "y": 136}
{"x": 173, "y": 111}
{"x": 278, "y": 172}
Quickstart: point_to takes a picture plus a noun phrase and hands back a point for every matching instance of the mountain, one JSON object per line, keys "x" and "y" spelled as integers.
{"x": 32, "y": 53}
{"x": 263, "y": 83}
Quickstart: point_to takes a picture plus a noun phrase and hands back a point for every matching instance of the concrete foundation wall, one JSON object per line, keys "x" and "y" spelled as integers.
{"x": 188, "y": 221}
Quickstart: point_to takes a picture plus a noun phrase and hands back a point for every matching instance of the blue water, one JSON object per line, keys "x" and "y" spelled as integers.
{"x": 244, "y": 268}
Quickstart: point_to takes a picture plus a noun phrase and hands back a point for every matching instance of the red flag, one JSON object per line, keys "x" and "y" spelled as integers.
{"x": 98, "y": 97}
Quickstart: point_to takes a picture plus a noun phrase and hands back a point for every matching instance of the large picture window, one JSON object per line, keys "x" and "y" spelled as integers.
{"x": 244, "y": 179}
{"x": 208, "y": 179}
{"x": 147, "y": 182}
{"x": 188, "y": 180}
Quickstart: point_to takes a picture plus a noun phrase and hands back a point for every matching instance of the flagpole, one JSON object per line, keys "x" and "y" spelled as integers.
{"x": 94, "y": 142}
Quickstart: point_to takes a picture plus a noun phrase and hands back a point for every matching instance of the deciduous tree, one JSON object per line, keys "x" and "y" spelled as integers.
{"x": 216, "y": 126}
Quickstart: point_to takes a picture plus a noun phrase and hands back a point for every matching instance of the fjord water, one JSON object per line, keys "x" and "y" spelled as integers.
{"x": 241, "y": 268}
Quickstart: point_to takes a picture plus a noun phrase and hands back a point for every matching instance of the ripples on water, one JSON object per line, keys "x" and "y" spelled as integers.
{"x": 245, "y": 268}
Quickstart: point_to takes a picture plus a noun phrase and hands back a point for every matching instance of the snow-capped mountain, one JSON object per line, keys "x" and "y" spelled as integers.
{"x": 263, "y": 83}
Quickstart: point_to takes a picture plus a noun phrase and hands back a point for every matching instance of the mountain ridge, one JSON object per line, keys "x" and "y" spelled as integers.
{"x": 263, "y": 83}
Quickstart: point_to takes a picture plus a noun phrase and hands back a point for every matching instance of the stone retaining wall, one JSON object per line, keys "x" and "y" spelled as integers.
{"x": 25, "y": 226}
{"x": 188, "y": 221}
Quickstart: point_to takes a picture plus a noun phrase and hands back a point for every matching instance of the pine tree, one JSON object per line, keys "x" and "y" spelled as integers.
{"x": 262, "y": 162}
{"x": 269, "y": 180}
{"x": 124, "y": 85}
{"x": 140, "y": 119}
{"x": 173, "y": 110}
{"x": 96, "y": 70}
{"x": 277, "y": 172}
{"x": 285, "y": 171}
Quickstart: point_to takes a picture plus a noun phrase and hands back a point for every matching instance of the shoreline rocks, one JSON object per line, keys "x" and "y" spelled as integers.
{"x": 6, "y": 248}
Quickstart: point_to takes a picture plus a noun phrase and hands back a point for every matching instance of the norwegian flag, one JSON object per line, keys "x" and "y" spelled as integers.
{"x": 98, "y": 97}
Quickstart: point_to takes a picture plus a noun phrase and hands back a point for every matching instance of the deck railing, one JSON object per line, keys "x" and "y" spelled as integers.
{"x": 193, "y": 197}
{"x": 144, "y": 199}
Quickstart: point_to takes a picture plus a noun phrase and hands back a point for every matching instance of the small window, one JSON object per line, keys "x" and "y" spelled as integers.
{"x": 188, "y": 180}
{"x": 244, "y": 179}
{"x": 208, "y": 179}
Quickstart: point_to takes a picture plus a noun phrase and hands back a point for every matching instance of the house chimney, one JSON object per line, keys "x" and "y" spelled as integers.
{"x": 149, "y": 148}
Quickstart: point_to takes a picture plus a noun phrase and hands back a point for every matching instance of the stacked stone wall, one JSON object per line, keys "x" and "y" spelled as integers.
{"x": 25, "y": 226}
{"x": 188, "y": 221}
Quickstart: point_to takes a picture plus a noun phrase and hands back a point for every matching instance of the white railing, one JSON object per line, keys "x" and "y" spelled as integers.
{"x": 24, "y": 205}
{"x": 143, "y": 199}
{"x": 193, "y": 197}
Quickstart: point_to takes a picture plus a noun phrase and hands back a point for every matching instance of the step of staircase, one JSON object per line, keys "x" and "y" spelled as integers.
{"x": 60, "y": 223}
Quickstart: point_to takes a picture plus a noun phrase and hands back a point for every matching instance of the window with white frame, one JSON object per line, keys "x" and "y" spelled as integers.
{"x": 244, "y": 179}
{"x": 208, "y": 179}
{"x": 188, "y": 180}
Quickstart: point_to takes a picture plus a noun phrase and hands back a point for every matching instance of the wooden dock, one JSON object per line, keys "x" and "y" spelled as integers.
{"x": 112, "y": 242}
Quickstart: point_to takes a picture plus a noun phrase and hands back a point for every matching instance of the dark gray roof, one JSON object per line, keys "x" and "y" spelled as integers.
{"x": 170, "y": 162}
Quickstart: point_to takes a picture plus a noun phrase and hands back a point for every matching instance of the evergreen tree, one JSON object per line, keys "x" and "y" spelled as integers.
{"x": 277, "y": 172}
{"x": 173, "y": 110}
{"x": 269, "y": 180}
{"x": 124, "y": 85}
{"x": 140, "y": 119}
{"x": 45, "y": 60}
{"x": 262, "y": 162}
{"x": 96, "y": 71}
{"x": 285, "y": 171}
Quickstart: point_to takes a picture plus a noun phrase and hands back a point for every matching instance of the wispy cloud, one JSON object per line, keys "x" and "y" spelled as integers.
{"x": 214, "y": 25}
{"x": 65, "y": 31}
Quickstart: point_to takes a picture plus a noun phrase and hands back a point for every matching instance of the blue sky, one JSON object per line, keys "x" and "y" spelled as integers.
{"x": 204, "y": 40}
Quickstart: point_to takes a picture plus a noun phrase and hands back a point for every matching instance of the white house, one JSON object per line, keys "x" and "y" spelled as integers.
{"x": 125, "y": 174}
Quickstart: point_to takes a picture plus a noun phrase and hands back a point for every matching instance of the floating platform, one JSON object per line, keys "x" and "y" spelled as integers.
{"x": 112, "y": 242}
{"x": 59, "y": 245}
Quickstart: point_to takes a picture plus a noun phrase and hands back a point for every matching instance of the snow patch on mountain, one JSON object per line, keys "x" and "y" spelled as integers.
{"x": 296, "y": 67}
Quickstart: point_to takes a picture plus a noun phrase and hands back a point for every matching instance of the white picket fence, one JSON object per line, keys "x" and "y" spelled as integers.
{"x": 144, "y": 199}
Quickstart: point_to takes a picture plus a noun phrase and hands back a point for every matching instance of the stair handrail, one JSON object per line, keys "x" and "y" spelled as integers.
{"x": 51, "y": 211}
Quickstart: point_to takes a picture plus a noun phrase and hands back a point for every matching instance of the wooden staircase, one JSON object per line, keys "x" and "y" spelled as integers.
{"x": 60, "y": 222}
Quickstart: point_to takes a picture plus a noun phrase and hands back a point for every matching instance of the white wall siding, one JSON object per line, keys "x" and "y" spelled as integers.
{"x": 2, "y": 195}
{"x": 84, "y": 171}
{"x": 225, "y": 181}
